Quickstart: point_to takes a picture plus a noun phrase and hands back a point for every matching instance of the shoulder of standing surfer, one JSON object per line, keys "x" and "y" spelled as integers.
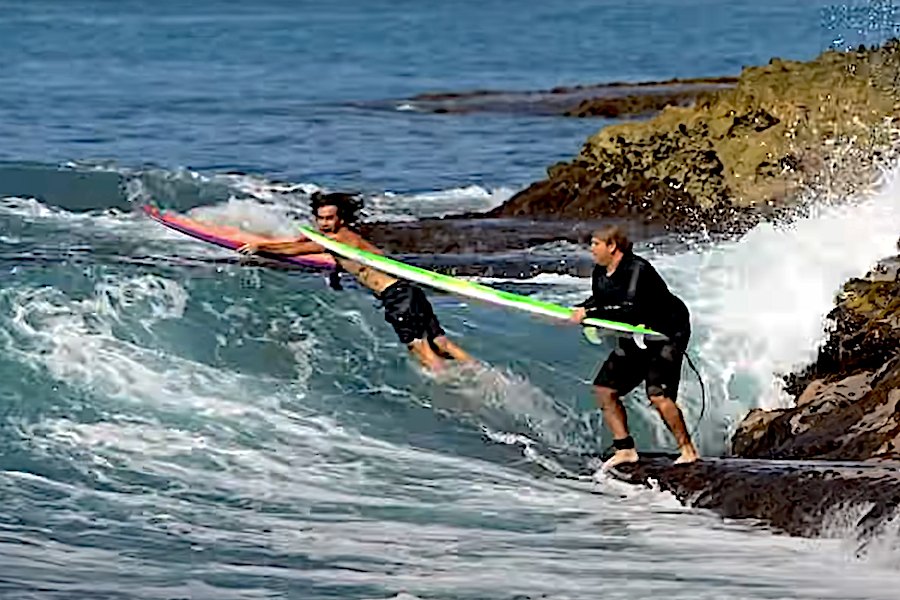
{"x": 627, "y": 288}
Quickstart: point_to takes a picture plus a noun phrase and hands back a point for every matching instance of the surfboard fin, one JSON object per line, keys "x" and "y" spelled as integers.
{"x": 595, "y": 336}
{"x": 639, "y": 340}
{"x": 592, "y": 334}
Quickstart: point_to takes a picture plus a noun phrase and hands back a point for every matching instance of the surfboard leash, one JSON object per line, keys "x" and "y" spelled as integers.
{"x": 693, "y": 368}
{"x": 702, "y": 393}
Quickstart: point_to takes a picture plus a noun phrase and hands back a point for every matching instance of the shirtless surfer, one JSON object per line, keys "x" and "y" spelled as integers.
{"x": 406, "y": 307}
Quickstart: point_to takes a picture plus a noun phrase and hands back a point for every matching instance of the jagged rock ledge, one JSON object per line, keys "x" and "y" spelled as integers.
{"x": 463, "y": 234}
{"x": 507, "y": 248}
{"x": 610, "y": 100}
{"x": 845, "y": 403}
{"x": 807, "y": 499}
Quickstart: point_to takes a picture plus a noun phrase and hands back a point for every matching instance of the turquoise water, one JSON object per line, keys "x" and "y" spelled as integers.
{"x": 177, "y": 424}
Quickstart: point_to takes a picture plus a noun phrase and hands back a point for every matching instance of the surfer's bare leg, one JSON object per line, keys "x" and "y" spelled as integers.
{"x": 674, "y": 419}
{"x": 450, "y": 349}
{"x": 422, "y": 350}
{"x": 617, "y": 421}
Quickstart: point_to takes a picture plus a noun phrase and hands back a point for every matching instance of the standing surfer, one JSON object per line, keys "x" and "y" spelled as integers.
{"x": 627, "y": 288}
{"x": 406, "y": 307}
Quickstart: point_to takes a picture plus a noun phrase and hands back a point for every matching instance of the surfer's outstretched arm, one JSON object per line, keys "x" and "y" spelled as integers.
{"x": 288, "y": 248}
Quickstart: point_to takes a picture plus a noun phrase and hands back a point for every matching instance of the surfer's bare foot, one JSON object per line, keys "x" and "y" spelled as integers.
{"x": 621, "y": 457}
{"x": 688, "y": 455}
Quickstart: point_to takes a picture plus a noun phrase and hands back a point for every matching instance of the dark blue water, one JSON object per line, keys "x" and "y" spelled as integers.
{"x": 265, "y": 88}
{"x": 176, "y": 424}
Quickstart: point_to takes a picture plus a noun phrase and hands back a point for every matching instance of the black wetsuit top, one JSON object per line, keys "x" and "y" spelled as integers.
{"x": 636, "y": 294}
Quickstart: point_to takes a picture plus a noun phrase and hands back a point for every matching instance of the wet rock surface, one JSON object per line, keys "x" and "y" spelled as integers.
{"x": 478, "y": 235}
{"x": 799, "y": 498}
{"x": 846, "y": 402}
{"x": 610, "y": 100}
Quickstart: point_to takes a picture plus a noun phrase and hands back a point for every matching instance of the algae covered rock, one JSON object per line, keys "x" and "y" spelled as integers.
{"x": 735, "y": 151}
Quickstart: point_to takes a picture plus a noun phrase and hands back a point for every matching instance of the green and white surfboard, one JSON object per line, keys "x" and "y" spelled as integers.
{"x": 593, "y": 328}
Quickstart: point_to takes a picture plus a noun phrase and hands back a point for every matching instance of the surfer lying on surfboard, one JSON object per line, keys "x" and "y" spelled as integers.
{"x": 406, "y": 307}
{"x": 627, "y": 288}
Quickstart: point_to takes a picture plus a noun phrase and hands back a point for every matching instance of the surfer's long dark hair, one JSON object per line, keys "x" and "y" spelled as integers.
{"x": 348, "y": 206}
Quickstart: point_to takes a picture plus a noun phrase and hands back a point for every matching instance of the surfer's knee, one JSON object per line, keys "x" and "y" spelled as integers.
{"x": 419, "y": 346}
{"x": 663, "y": 389}
{"x": 606, "y": 397}
{"x": 662, "y": 403}
{"x": 421, "y": 349}
{"x": 450, "y": 349}
{"x": 442, "y": 343}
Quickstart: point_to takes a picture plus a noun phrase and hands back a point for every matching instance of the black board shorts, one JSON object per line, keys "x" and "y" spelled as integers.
{"x": 410, "y": 313}
{"x": 659, "y": 366}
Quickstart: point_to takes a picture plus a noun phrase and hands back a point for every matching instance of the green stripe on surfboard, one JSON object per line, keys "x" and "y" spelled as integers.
{"x": 467, "y": 288}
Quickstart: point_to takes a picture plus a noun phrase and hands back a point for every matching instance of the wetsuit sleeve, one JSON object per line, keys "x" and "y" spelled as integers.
{"x": 591, "y": 302}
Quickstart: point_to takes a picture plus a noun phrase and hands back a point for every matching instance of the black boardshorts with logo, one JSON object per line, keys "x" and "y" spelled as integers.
{"x": 659, "y": 366}
{"x": 408, "y": 310}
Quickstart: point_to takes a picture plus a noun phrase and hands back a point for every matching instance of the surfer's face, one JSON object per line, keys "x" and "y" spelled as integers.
{"x": 602, "y": 251}
{"x": 327, "y": 219}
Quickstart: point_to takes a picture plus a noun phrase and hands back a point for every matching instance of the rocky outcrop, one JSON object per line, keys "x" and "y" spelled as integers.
{"x": 469, "y": 234}
{"x": 610, "y": 100}
{"x": 736, "y": 153}
{"x": 739, "y": 151}
{"x": 474, "y": 235}
{"x": 804, "y": 499}
{"x": 643, "y": 104}
{"x": 847, "y": 401}
{"x": 506, "y": 248}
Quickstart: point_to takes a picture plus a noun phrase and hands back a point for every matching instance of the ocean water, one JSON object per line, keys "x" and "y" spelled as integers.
{"x": 176, "y": 423}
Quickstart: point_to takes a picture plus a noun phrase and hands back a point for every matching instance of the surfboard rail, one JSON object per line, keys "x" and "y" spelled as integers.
{"x": 229, "y": 237}
{"x": 594, "y": 329}
{"x": 479, "y": 291}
